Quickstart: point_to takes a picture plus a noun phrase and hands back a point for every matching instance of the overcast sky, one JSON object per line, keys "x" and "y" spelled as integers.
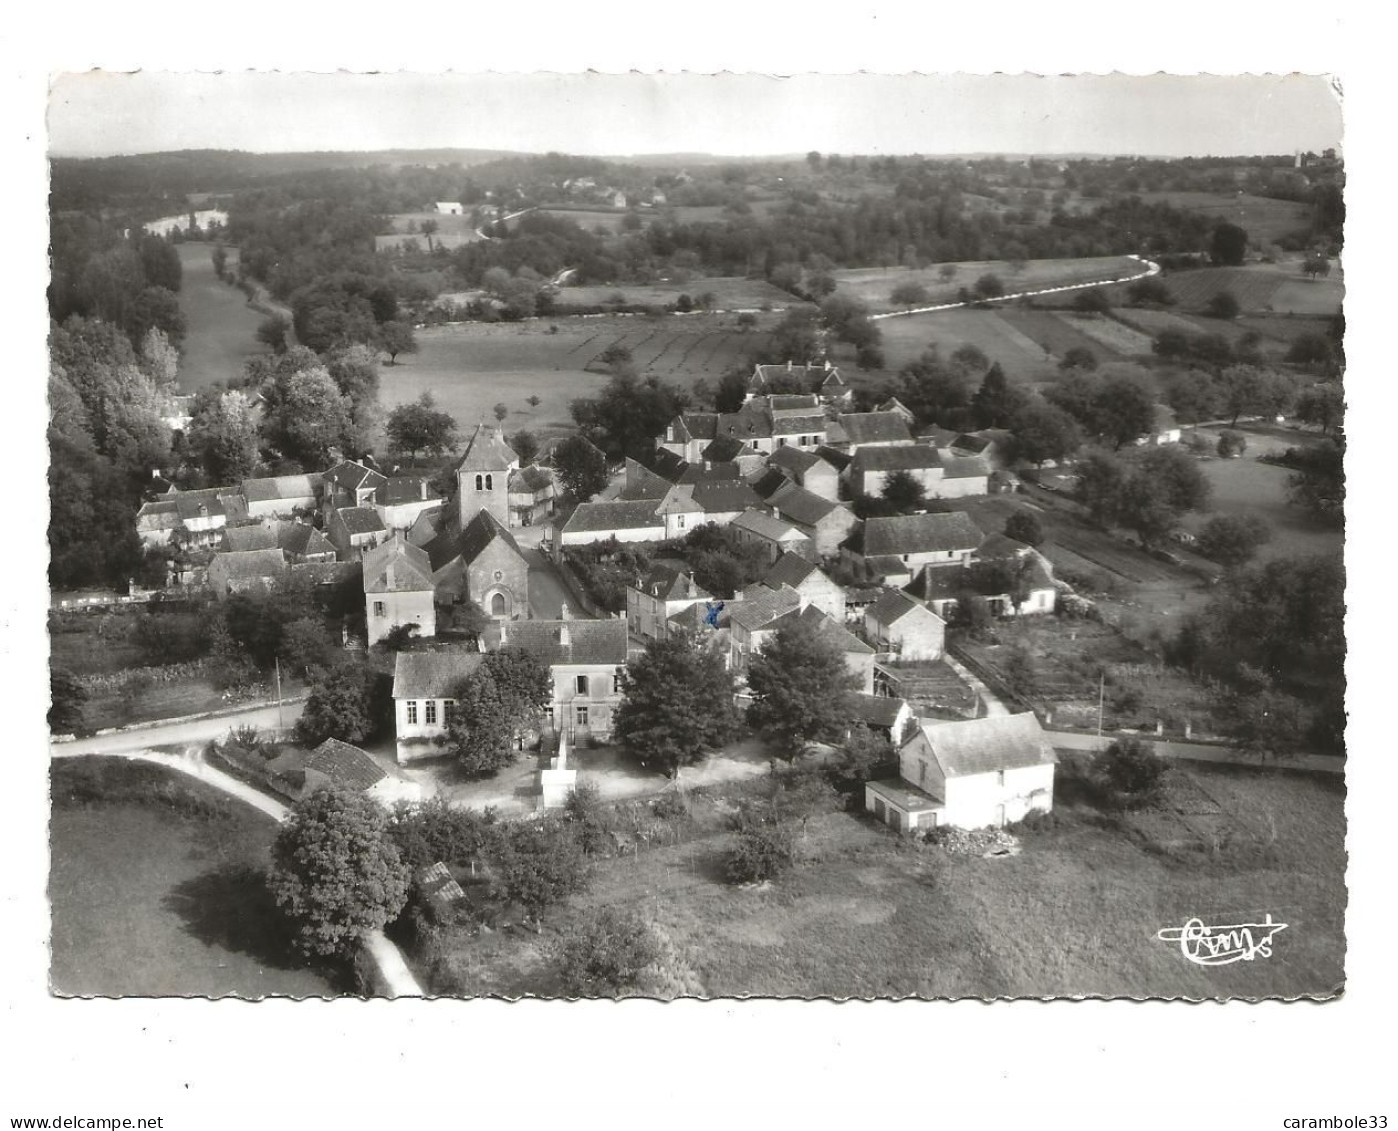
{"x": 101, "y": 113}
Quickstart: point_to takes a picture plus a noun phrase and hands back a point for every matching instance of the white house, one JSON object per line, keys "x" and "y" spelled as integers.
{"x": 625, "y": 521}
{"x": 655, "y": 598}
{"x": 448, "y": 208}
{"x": 586, "y": 658}
{"x": 423, "y": 683}
{"x": 969, "y": 774}
{"x": 906, "y": 628}
{"x": 398, "y": 589}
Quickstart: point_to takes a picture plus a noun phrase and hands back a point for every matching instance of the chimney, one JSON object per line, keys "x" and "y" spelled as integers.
{"x": 423, "y": 484}
{"x": 827, "y": 365}
{"x": 563, "y": 637}
{"x": 788, "y": 365}
{"x": 708, "y": 466}
{"x": 563, "y": 611}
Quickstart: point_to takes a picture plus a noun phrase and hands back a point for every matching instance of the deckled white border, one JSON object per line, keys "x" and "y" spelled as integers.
{"x": 327, "y": 1066}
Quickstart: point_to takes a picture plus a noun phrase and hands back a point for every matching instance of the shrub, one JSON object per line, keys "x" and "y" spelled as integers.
{"x": 763, "y": 852}
{"x": 670, "y": 806}
{"x": 584, "y": 811}
{"x": 1130, "y": 770}
{"x": 605, "y": 953}
{"x": 1231, "y": 444}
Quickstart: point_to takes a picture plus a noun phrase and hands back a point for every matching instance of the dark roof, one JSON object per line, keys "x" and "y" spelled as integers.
{"x": 965, "y": 467}
{"x": 847, "y": 641}
{"x": 569, "y": 641}
{"x": 671, "y": 584}
{"x": 749, "y": 422}
{"x": 397, "y": 566}
{"x": 938, "y": 435}
{"x": 432, "y": 675}
{"x": 345, "y": 765}
{"x": 789, "y": 569}
{"x": 281, "y": 487}
{"x": 249, "y": 538}
{"x": 405, "y": 489}
{"x": 486, "y": 450}
{"x": 250, "y": 565}
{"x": 875, "y": 427}
{"x": 879, "y": 710}
{"x": 360, "y": 520}
{"x": 188, "y": 508}
{"x": 352, "y": 476}
{"x": 912, "y": 457}
{"x": 894, "y": 605}
{"x": 726, "y": 497}
{"x": 304, "y": 540}
{"x": 771, "y": 481}
{"x": 920, "y": 534}
{"x": 887, "y": 565}
{"x": 798, "y": 425}
{"x": 981, "y": 746}
{"x": 697, "y": 425}
{"x": 727, "y": 448}
{"x": 796, "y": 459}
{"x": 642, "y": 482}
{"x": 800, "y": 505}
{"x": 469, "y": 542}
{"x": 837, "y": 459}
{"x": 1000, "y": 546}
{"x": 763, "y": 607}
{"x": 629, "y": 515}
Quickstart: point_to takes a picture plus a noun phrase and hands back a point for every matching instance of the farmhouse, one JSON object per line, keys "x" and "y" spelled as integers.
{"x": 825, "y": 522}
{"x": 775, "y": 535}
{"x": 338, "y": 765}
{"x": 968, "y": 775}
{"x": 481, "y": 563}
{"x": 952, "y": 478}
{"x": 398, "y": 589}
{"x": 914, "y": 540}
{"x": 282, "y": 496}
{"x": 424, "y": 687}
{"x": 652, "y": 601}
{"x": 633, "y": 521}
{"x": 240, "y": 572}
{"x": 884, "y": 714}
{"x": 586, "y": 658}
{"x": 811, "y": 584}
{"x": 401, "y": 498}
{"x": 903, "y": 628}
{"x": 873, "y": 430}
{"x": 763, "y": 612}
{"x": 349, "y": 484}
{"x": 301, "y": 543}
{"x": 722, "y": 502}
{"x": 192, "y": 519}
{"x": 353, "y": 530}
{"x": 822, "y": 380}
{"x": 532, "y": 494}
{"x": 808, "y": 469}
{"x": 990, "y": 444}
{"x": 1014, "y": 579}
{"x": 256, "y": 537}
{"x": 762, "y": 423}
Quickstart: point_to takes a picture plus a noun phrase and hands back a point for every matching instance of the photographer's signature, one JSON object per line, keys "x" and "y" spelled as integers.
{"x": 1219, "y": 945}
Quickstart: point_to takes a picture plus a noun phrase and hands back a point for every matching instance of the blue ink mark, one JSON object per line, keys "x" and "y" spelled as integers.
{"x": 714, "y": 608}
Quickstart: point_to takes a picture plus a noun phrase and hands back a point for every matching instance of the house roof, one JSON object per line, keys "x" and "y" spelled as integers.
{"x": 875, "y": 428}
{"x": 942, "y": 437}
{"x": 833, "y": 382}
{"x": 397, "y": 566}
{"x": 329, "y": 573}
{"x": 724, "y": 498}
{"x": 765, "y": 372}
{"x": 469, "y": 542}
{"x": 789, "y": 569}
{"x": 905, "y": 795}
{"x": 799, "y": 460}
{"x": 695, "y": 618}
{"x": 798, "y": 425}
{"x": 569, "y": 641}
{"x": 789, "y": 402}
{"x": 765, "y": 526}
{"x": 893, "y": 404}
{"x": 486, "y": 450}
{"x": 530, "y": 479}
{"x": 360, "y": 520}
{"x": 879, "y": 710}
{"x": 281, "y": 487}
{"x": 833, "y": 629}
{"x": 249, "y": 565}
{"x": 1000, "y": 546}
{"x": 912, "y": 457}
{"x": 888, "y": 565}
{"x": 345, "y": 765}
{"x": 159, "y": 515}
{"x": 982, "y": 746}
{"x": 642, "y": 482}
{"x": 352, "y": 476}
{"x": 630, "y": 515}
{"x": 671, "y": 584}
{"x": 432, "y": 675}
{"x": 695, "y": 426}
{"x": 771, "y": 481}
{"x": 862, "y": 594}
{"x": 965, "y": 467}
{"x": 304, "y": 540}
{"x": 763, "y": 607}
{"x": 728, "y": 448}
{"x": 920, "y": 534}
{"x": 803, "y": 506}
{"x": 679, "y": 500}
{"x": 894, "y": 605}
{"x": 249, "y": 538}
{"x": 837, "y": 459}
{"x": 405, "y": 489}
{"x": 188, "y": 508}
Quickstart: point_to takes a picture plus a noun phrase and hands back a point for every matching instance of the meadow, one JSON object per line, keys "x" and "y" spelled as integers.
{"x": 156, "y": 889}
{"x": 730, "y": 293}
{"x": 1266, "y": 220}
{"x": 866, "y": 914}
{"x": 220, "y": 325}
{"x": 1260, "y": 289}
{"x": 874, "y": 285}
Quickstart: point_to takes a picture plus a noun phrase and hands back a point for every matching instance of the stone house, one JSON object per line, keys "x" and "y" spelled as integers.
{"x": 245, "y": 571}
{"x": 873, "y": 430}
{"x": 970, "y": 774}
{"x": 301, "y": 543}
{"x": 916, "y": 541}
{"x": 349, "y": 484}
{"x": 355, "y": 530}
{"x": 653, "y": 600}
{"x": 814, "y": 586}
{"x": 898, "y": 625}
{"x": 586, "y": 658}
{"x": 398, "y": 589}
{"x": 942, "y": 477}
{"x": 634, "y": 521}
{"x": 808, "y": 469}
{"x": 532, "y": 495}
{"x": 401, "y": 498}
{"x": 282, "y": 496}
{"x": 775, "y": 535}
{"x": 423, "y": 687}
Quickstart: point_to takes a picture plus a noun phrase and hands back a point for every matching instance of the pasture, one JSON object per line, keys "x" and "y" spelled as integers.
{"x": 866, "y": 914}
{"x": 1266, "y": 220}
{"x": 470, "y": 367}
{"x": 608, "y": 219}
{"x": 730, "y": 293}
{"x": 1107, "y": 333}
{"x": 1259, "y": 289}
{"x": 995, "y": 332}
{"x": 874, "y": 285}
{"x": 221, "y": 327}
{"x": 156, "y": 889}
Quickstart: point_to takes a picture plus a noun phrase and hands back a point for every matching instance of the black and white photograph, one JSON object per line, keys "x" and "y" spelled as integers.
{"x": 672, "y": 562}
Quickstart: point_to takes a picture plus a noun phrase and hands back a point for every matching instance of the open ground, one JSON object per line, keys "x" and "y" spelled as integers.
{"x": 221, "y": 327}
{"x": 874, "y": 285}
{"x": 1263, "y": 218}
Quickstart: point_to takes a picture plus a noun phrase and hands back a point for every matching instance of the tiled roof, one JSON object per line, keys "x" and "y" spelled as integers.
{"x": 281, "y": 487}
{"x": 800, "y": 505}
{"x": 679, "y": 500}
{"x": 727, "y": 449}
{"x": 913, "y": 457}
{"x": 781, "y": 370}
{"x": 189, "y": 509}
{"x": 361, "y": 520}
{"x": 879, "y": 710}
{"x": 965, "y": 467}
{"x": 766, "y": 605}
{"x": 397, "y": 566}
{"x": 351, "y": 476}
{"x": 787, "y": 402}
{"x": 633, "y": 515}
{"x": 486, "y": 450}
{"x": 697, "y": 425}
{"x": 569, "y": 641}
{"x": 765, "y": 526}
{"x": 304, "y": 540}
{"x": 1000, "y": 546}
{"x": 432, "y": 675}
{"x": 404, "y": 489}
{"x": 329, "y": 573}
{"x": 798, "y": 425}
{"x": 345, "y": 765}
{"x": 893, "y": 606}
{"x": 942, "y": 437}
{"x": 642, "y": 482}
{"x": 905, "y": 795}
{"x": 670, "y": 584}
{"x": 789, "y": 569}
{"x": 888, "y": 565}
{"x": 250, "y": 565}
{"x": 920, "y": 534}
{"x": 875, "y": 427}
{"x": 469, "y": 542}
{"x": 837, "y": 459}
{"x": 748, "y": 423}
{"x": 793, "y": 458}
{"x": 834, "y": 630}
{"x": 725, "y": 498}
{"x": 770, "y": 482}
{"x": 159, "y": 515}
{"x": 893, "y": 404}
{"x": 981, "y": 746}
{"x": 249, "y": 538}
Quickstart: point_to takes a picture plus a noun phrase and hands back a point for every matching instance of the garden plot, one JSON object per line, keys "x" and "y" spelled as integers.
{"x": 1107, "y": 332}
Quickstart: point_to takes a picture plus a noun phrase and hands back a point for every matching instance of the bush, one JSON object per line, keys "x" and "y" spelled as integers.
{"x": 763, "y": 852}
{"x": 605, "y": 953}
{"x": 1231, "y": 444}
{"x": 1223, "y": 305}
{"x": 584, "y": 811}
{"x": 1130, "y": 770}
{"x": 1024, "y": 526}
{"x": 670, "y": 806}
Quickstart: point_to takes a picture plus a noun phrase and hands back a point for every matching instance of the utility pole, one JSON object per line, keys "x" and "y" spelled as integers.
{"x": 1101, "y": 698}
{"x": 281, "y": 723}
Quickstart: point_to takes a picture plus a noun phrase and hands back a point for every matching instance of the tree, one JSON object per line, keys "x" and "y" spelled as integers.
{"x": 801, "y": 688}
{"x": 581, "y": 467}
{"x": 1322, "y": 405}
{"x": 525, "y": 445}
{"x": 1231, "y": 444}
{"x": 1150, "y": 290}
{"x": 160, "y": 360}
{"x": 335, "y": 871}
{"x": 272, "y": 332}
{"x": 746, "y": 321}
{"x": 307, "y": 418}
{"x": 1160, "y": 487}
{"x": 344, "y": 703}
{"x": 1267, "y": 723}
{"x": 421, "y": 427}
{"x": 996, "y": 402}
{"x": 219, "y": 255}
{"x": 355, "y": 370}
{"x": 1316, "y": 264}
{"x": 306, "y": 645}
{"x": 1223, "y": 305}
{"x": 763, "y": 852}
{"x": 677, "y": 704}
{"x": 1041, "y": 432}
{"x": 859, "y": 757}
{"x": 539, "y": 865}
{"x": 501, "y": 410}
{"x": 1131, "y": 770}
{"x": 1193, "y": 394}
{"x": 533, "y": 400}
{"x": 1228, "y": 245}
{"x": 222, "y": 436}
{"x": 911, "y": 293}
{"x": 1024, "y": 526}
{"x": 1092, "y": 301}
{"x": 1233, "y": 540}
{"x": 617, "y": 358}
{"x": 495, "y": 706}
{"x": 627, "y": 415}
{"x": 1122, "y": 410}
{"x": 1100, "y": 480}
{"x": 1245, "y": 389}
{"x": 605, "y": 953}
{"x": 1079, "y": 357}
{"x": 947, "y": 272}
{"x": 903, "y": 491}
{"x": 67, "y": 700}
{"x": 936, "y": 391}
{"x": 396, "y": 337}
{"x": 989, "y": 286}
{"x": 1318, "y": 482}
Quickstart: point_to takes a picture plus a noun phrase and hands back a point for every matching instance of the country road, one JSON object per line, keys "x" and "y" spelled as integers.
{"x": 1198, "y": 752}
{"x": 171, "y": 734}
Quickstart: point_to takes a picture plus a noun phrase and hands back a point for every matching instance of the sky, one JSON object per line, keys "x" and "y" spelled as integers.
{"x": 98, "y": 113}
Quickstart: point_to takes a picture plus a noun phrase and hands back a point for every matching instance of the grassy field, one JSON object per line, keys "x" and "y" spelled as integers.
{"x": 220, "y": 323}
{"x": 1107, "y": 333}
{"x": 1053, "y": 334}
{"x": 156, "y": 890}
{"x": 875, "y": 284}
{"x": 997, "y": 333}
{"x": 1260, "y": 289}
{"x": 867, "y": 915}
{"x": 1266, "y": 220}
{"x": 730, "y": 293}
{"x": 472, "y": 366}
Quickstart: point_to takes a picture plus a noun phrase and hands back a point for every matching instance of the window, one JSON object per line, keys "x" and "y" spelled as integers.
{"x": 498, "y": 605}
{"x": 430, "y": 713}
{"x": 412, "y": 712}
{"x": 921, "y": 772}
{"x": 490, "y": 483}
{"x": 679, "y": 521}
{"x": 616, "y": 682}
{"x": 580, "y": 685}
{"x": 580, "y": 714}
{"x": 782, "y": 442}
{"x": 480, "y": 482}
{"x": 999, "y": 777}
{"x": 380, "y": 609}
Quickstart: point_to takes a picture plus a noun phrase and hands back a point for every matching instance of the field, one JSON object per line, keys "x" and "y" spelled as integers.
{"x": 1108, "y": 334}
{"x": 220, "y": 324}
{"x": 730, "y": 293}
{"x": 875, "y": 284}
{"x": 1054, "y": 334}
{"x": 587, "y": 219}
{"x": 867, "y": 915}
{"x": 1266, "y": 220}
{"x": 1264, "y": 288}
{"x": 156, "y": 889}
{"x": 996, "y": 333}
{"x": 471, "y": 366}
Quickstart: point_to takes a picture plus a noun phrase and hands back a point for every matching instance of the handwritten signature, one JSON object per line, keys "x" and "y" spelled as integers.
{"x": 1219, "y": 945}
